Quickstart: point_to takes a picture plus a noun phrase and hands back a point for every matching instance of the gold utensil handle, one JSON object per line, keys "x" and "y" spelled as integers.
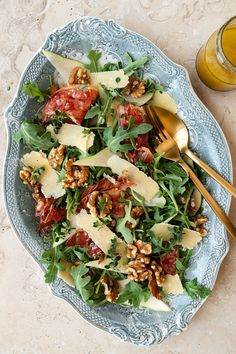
{"x": 228, "y": 186}
{"x": 213, "y": 204}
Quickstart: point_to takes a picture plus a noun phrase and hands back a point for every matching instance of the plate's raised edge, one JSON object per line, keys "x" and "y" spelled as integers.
{"x": 185, "y": 72}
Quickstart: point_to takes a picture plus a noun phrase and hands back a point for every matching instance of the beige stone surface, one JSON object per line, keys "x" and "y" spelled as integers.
{"x": 31, "y": 319}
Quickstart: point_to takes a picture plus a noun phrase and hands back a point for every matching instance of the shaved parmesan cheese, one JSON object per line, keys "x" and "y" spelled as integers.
{"x": 144, "y": 185}
{"x": 105, "y": 265}
{"x": 49, "y": 178}
{"x": 65, "y": 274}
{"x": 164, "y": 100}
{"x": 98, "y": 160}
{"x": 61, "y": 64}
{"x": 140, "y": 101}
{"x": 72, "y": 135}
{"x": 190, "y": 238}
{"x": 101, "y": 235}
{"x": 173, "y": 285}
{"x": 157, "y": 201}
{"x": 111, "y": 79}
{"x": 155, "y": 305}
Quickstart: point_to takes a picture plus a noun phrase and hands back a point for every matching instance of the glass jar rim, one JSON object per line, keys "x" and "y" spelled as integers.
{"x": 220, "y": 51}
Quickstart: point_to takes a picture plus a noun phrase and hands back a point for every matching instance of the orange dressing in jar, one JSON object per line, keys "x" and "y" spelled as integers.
{"x": 216, "y": 60}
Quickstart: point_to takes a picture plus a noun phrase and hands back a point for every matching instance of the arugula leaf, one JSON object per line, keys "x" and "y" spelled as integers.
{"x": 134, "y": 65}
{"x": 133, "y": 293}
{"x": 112, "y": 250}
{"x": 121, "y": 224}
{"x": 152, "y": 86}
{"x": 82, "y": 280}
{"x": 33, "y": 91}
{"x": 36, "y": 173}
{"x": 195, "y": 290}
{"x": 93, "y": 112}
{"x": 52, "y": 258}
{"x": 161, "y": 247}
{"x": 54, "y": 255}
{"x": 182, "y": 262}
{"x": 102, "y": 109}
{"x": 73, "y": 253}
{"x": 35, "y": 136}
{"x": 58, "y": 120}
{"x": 114, "y": 139}
{"x": 72, "y": 198}
{"x": 94, "y": 58}
{"x": 112, "y": 66}
{"x": 102, "y": 221}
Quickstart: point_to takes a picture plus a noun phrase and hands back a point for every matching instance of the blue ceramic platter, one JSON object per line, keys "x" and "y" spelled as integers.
{"x": 138, "y": 326}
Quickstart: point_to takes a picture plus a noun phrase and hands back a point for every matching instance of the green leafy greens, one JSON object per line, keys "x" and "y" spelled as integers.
{"x": 114, "y": 138}
{"x": 94, "y": 58}
{"x": 133, "y": 293}
{"x": 33, "y": 91}
{"x": 133, "y": 65}
{"x": 122, "y": 224}
{"x": 195, "y": 290}
{"x": 35, "y": 136}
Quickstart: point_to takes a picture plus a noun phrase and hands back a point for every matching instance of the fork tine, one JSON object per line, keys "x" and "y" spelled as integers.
{"x": 159, "y": 122}
{"x": 152, "y": 118}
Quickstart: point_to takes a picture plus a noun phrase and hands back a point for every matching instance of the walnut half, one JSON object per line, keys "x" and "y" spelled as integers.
{"x": 76, "y": 176}
{"x": 56, "y": 156}
{"x": 99, "y": 204}
{"x": 200, "y": 220}
{"x": 79, "y": 75}
{"x": 111, "y": 288}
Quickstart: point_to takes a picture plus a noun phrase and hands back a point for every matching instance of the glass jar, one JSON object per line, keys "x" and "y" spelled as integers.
{"x": 216, "y": 60}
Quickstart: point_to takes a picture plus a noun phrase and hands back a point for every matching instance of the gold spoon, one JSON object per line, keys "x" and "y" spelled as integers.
{"x": 179, "y": 132}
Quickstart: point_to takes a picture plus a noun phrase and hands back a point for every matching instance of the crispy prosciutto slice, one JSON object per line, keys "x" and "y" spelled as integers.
{"x": 48, "y": 213}
{"x": 105, "y": 185}
{"x": 81, "y": 238}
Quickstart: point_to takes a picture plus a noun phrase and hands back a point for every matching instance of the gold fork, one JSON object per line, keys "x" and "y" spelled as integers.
{"x": 169, "y": 148}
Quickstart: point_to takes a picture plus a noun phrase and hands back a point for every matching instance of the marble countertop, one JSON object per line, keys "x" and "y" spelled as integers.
{"x": 31, "y": 319}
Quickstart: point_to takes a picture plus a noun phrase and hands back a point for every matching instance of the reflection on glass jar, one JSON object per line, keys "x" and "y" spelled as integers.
{"x": 216, "y": 60}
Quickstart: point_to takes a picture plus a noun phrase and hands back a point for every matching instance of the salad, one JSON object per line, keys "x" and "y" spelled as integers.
{"x": 119, "y": 222}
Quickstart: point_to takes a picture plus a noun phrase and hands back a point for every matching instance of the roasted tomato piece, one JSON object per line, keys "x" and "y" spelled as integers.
{"x": 81, "y": 238}
{"x": 168, "y": 263}
{"x": 72, "y": 101}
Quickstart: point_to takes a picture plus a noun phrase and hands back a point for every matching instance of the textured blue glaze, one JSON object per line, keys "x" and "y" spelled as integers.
{"x": 137, "y": 326}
